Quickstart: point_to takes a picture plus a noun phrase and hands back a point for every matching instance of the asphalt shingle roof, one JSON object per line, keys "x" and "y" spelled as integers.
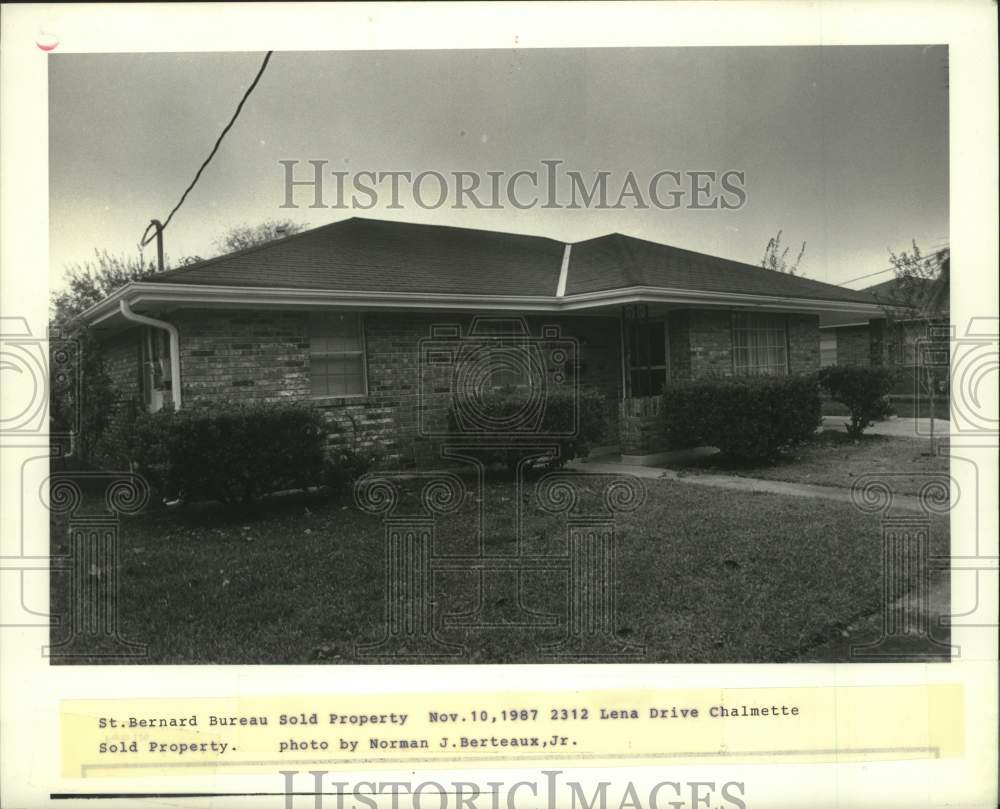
{"x": 615, "y": 261}
{"x": 369, "y": 255}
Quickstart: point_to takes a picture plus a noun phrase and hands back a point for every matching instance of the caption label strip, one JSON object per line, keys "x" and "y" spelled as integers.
{"x": 129, "y": 737}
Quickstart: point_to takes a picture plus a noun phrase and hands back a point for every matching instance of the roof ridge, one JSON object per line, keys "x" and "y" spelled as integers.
{"x": 740, "y": 264}
{"x": 197, "y": 265}
{"x": 285, "y": 239}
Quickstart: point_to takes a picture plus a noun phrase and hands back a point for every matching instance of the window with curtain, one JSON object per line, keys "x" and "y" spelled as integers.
{"x": 336, "y": 354}
{"x": 760, "y": 344}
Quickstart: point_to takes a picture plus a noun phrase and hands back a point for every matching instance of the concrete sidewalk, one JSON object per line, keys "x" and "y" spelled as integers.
{"x": 608, "y": 466}
{"x": 898, "y": 427}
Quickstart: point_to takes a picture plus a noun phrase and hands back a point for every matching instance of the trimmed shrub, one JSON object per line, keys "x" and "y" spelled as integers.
{"x": 508, "y": 416}
{"x": 234, "y": 453}
{"x": 864, "y": 391}
{"x": 748, "y": 419}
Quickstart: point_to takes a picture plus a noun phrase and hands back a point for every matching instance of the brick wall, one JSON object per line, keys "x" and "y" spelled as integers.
{"x": 121, "y": 359}
{"x": 121, "y": 363}
{"x": 803, "y": 344}
{"x": 679, "y": 344}
{"x": 264, "y": 356}
{"x": 711, "y": 338}
{"x": 854, "y": 346}
{"x": 642, "y": 425}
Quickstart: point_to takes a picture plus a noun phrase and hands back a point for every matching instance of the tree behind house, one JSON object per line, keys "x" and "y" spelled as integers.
{"x": 919, "y": 298}
{"x": 776, "y": 257}
{"x": 85, "y": 398}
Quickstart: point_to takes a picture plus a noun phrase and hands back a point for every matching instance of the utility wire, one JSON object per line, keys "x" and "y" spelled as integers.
{"x": 147, "y": 239}
{"x": 938, "y": 249}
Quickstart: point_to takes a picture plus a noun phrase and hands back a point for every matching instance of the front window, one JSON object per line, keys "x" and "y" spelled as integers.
{"x": 760, "y": 344}
{"x": 336, "y": 354}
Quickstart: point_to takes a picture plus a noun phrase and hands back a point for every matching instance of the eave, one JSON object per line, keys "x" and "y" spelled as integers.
{"x": 159, "y": 296}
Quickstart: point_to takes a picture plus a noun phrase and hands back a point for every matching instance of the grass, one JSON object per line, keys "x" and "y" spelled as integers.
{"x": 702, "y": 577}
{"x": 834, "y": 459}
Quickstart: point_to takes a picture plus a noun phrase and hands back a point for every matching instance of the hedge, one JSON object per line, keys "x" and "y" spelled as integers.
{"x": 501, "y": 419}
{"x": 748, "y": 419}
{"x": 233, "y": 452}
{"x": 864, "y": 391}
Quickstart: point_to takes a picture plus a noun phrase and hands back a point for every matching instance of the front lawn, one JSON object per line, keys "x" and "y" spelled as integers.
{"x": 834, "y": 459}
{"x": 703, "y": 576}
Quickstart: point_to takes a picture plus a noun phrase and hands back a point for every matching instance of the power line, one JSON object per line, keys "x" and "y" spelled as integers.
{"x": 941, "y": 246}
{"x": 160, "y": 228}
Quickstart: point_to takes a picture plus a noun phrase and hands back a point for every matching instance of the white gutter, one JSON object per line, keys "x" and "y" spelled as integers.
{"x": 175, "y": 346}
{"x": 256, "y": 297}
{"x": 563, "y": 272}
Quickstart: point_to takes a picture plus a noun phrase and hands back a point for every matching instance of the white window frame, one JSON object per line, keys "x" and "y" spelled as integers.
{"x": 362, "y": 352}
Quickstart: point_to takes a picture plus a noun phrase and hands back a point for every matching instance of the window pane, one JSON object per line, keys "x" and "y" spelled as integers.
{"x": 759, "y": 344}
{"x": 336, "y": 363}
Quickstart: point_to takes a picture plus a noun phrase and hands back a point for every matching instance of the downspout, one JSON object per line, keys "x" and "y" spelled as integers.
{"x": 175, "y": 346}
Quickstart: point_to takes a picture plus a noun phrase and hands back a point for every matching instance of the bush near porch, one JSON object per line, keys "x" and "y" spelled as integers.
{"x": 572, "y": 419}
{"x": 748, "y": 419}
{"x": 863, "y": 391}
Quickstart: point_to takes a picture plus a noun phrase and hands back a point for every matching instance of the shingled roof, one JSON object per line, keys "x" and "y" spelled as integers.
{"x": 617, "y": 261}
{"x": 368, "y": 255}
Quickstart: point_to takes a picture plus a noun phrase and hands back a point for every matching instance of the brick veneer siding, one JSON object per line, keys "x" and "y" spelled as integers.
{"x": 863, "y": 345}
{"x": 803, "y": 344}
{"x": 710, "y": 333}
{"x": 641, "y": 425}
{"x": 854, "y": 346}
{"x": 121, "y": 363}
{"x": 264, "y": 356}
{"x": 679, "y": 344}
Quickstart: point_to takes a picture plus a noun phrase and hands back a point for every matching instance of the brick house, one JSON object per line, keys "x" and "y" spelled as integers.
{"x": 359, "y": 318}
{"x": 911, "y": 335}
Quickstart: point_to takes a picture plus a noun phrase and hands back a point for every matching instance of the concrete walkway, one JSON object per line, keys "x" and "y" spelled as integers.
{"x": 899, "y": 427}
{"x": 608, "y": 466}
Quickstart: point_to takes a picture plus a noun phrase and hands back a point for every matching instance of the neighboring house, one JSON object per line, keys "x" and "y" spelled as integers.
{"x": 364, "y": 319}
{"x": 913, "y": 328}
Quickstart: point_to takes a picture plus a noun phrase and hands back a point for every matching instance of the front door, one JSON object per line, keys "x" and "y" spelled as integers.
{"x": 646, "y": 365}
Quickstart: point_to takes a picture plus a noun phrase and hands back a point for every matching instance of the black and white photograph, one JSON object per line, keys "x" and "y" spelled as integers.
{"x": 478, "y": 405}
{"x": 515, "y": 356}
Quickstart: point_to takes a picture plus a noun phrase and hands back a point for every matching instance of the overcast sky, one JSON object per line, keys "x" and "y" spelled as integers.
{"x": 844, "y": 148}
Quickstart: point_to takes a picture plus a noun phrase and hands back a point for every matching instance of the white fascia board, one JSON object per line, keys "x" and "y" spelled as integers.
{"x": 200, "y": 295}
